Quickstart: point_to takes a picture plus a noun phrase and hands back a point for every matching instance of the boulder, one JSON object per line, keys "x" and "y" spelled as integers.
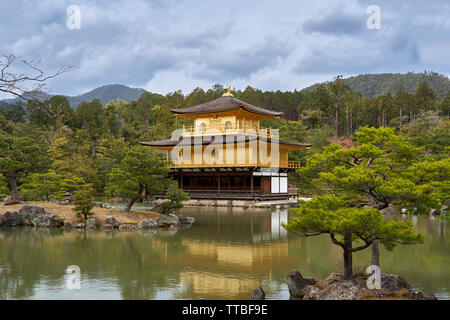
{"x": 168, "y": 220}
{"x": 258, "y": 294}
{"x": 343, "y": 290}
{"x": 173, "y": 228}
{"x": 112, "y": 221}
{"x": 46, "y": 220}
{"x": 419, "y": 295}
{"x": 107, "y": 227}
{"x": 80, "y": 226}
{"x": 68, "y": 225}
{"x": 296, "y": 283}
{"x": 311, "y": 293}
{"x": 90, "y": 223}
{"x": 147, "y": 224}
{"x": 333, "y": 277}
{"x": 127, "y": 227}
{"x": 389, "y": 210}
{"x": 9, "y": 219}
{"x": 378, "y": 206}
{"x": 187, "y": 220}
{"x": 29, "y": 212}
{"x": 435, "y": 212}
{"x": 157, "y": 205}
{"x": 393, "y": 282}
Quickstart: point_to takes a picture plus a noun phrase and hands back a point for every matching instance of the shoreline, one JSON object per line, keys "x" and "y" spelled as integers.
{"x": 278, "y": 204}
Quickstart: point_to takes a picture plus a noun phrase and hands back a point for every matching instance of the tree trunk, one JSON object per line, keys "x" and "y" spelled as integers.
{"x": 13, "y": 185}
{"x": 348, "y": 259}
{"x": 130, "y": 204}
{"x": 336, "y": 123}
{"x": 133, "y": 200}
{"x": 401, "y": 117}
{"x": 375, "y": 253}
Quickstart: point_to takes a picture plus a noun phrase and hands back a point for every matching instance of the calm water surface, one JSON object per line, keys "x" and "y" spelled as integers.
{"x": 226, "y": 254}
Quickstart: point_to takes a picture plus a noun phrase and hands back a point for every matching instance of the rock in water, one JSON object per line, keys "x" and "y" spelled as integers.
{"x": 419, "y": 295}
{"x": 296, "y": 283}
{"x": 127, "y": 227}
{"x": 90, "y": 223}
{"x": 333, "y": 277}
{"x": 393, "y": 282}
{"x": 187, "y": 220}
{"x": 9, "y": 219}
{"x": 168, "y": 220}
{"x": 46, "y": 220}
{"x": 344, "y": 290}
{"x": 311, "y": 293}
{"x": 29, "y": 212}
{"x": 112, "y": 221}
{"x": 258, "y": 294}
{"x": 147, "y": 224}
{"x": 68, "y": 225}
{"x": 389, "y": 210}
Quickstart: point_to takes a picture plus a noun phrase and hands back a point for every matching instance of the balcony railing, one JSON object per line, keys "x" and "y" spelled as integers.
{"x": 223, "y": 129}
{"x": 282, "y": 164}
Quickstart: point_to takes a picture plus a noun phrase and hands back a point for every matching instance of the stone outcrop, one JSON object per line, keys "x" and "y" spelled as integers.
{"x": 68, "y": 225}
{"x": 91, "y": 223}
{"x": 46, "y": 220}
{"x": 393, "y": 282}
{"x": 389, "y": 210}
{"x": 9, "y": 219}
{"x": 112, "y": 221}
{"x": 311, "y": 293}
{"x": 187, "y": 220}
{"x": 29, "y": 212}
{"x": 168, "y": 220}
{"x": 343, "y": 290}
{"x": 334, "y": 287}
{"x": 147, "y": 224}
{"x": 258, "y": 294}
{"x": 127, "y": 227}
{"x": 419, "y": 295}
{"x": 157, "y": 205}
{"x": 297, "y": 284}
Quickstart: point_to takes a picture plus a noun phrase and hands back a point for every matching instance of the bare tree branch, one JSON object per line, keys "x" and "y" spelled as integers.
{"x": 26, "y": 86}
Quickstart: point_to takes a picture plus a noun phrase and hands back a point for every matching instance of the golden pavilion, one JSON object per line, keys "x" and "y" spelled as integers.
{"x": 226, "y": 154}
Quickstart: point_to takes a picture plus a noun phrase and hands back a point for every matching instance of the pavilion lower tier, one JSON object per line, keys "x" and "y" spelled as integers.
{"x": 245, "y": 183}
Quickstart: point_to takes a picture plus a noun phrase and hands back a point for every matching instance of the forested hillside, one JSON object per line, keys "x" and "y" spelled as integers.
{"x": 87, "y": 142}
{"x": 371, "y": 85}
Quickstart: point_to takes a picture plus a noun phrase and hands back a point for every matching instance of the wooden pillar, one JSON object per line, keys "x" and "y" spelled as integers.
{"x": 218, "y": 183}
{"x": 251, "y": 183}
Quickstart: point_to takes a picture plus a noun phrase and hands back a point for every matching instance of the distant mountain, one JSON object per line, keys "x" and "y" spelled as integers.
{"x": 371, "y": 85}
{"x": 108, "y": 93}
{"x": 5, "y": 105}
{"x": 104, "y": 94}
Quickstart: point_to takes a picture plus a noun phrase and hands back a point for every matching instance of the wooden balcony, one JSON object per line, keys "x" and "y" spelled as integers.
{"x": 282, "y": 164}
{"x": 231, "y": 129}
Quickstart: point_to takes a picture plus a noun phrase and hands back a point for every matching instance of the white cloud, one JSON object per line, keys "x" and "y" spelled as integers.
{"x": 167, "y": 45}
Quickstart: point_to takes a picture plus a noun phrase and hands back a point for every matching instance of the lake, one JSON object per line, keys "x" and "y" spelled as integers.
{"x": 225, "y": 254}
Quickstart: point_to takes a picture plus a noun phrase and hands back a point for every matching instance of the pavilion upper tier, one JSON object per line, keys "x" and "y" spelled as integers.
{"x": 226, "y": 115}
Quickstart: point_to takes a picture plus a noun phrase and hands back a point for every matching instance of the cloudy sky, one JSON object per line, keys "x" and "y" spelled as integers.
{"x": 166, "y": 45}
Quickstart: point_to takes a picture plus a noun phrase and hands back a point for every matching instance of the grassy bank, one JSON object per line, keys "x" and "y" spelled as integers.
{"x": 65, "y": 212}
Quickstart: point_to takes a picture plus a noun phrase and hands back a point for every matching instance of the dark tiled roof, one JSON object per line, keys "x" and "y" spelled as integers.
{"x": 186, "y": 141}
{"x": 225, "y": 103}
